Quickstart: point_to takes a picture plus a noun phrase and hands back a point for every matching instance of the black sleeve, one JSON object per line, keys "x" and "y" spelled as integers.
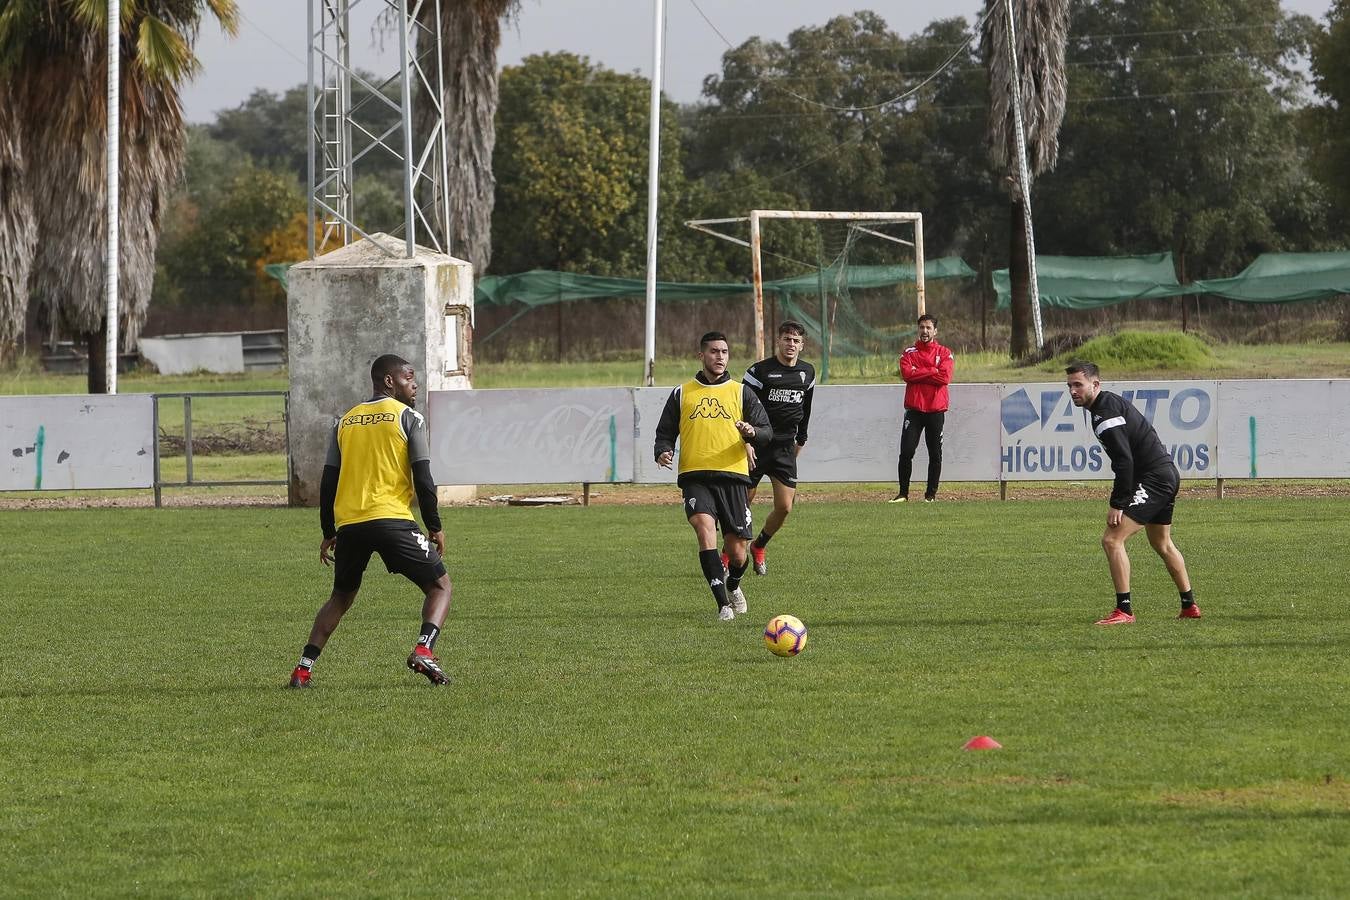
{"x": 668, "y": 428}
{"x": 806, "y": 413}
{"x": 757, "y": 416}
{"x": 1116, "y": 441}
{"x": 327, "y": 495}
{"x": 426, "y": 494}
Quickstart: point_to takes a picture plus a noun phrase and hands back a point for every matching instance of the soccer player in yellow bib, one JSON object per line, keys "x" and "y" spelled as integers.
{"x": 378, "y": 457}
{"x": 714, "y": 417}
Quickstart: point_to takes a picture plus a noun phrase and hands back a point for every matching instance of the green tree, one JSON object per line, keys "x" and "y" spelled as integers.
{"x": 816, "y": 121}
{"x": 571, "y": 171}
{"x": 215, "y": 257}
{"x": 53, "y": 58}
{"x": 1181, "y": 135}
{"x": 1328, "y": 124}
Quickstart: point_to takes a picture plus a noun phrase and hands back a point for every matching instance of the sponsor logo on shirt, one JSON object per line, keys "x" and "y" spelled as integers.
{"x": 709, "y": 408}
{"x": 369, "y": 418}
{"x": 786, "y": 395}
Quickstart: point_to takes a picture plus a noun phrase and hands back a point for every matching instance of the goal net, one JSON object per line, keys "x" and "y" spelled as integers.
{"x": 854, "y": 279}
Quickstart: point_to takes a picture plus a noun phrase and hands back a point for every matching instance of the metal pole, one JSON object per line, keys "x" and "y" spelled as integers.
{"x": 918, "y": 265}
{"x": 405, "y": 80}
{"x": 757, "y": 279}
{"x": 653, "y": 190}
{"x": 1024, "y": 175}
{"x": 309, "y": 122}
{"x": 447, "y": 245}
{"x": 114, "y": 155}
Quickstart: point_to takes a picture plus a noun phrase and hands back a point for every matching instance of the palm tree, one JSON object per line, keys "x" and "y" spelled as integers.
{"x": 1042, "y": 28}
{"x": 471, "y": 33}
{"x": 53, "y": 52}
{"x": 18, "y": 233}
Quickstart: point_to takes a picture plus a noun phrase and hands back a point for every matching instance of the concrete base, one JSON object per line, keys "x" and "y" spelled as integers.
{"x": 453, "y": 494}
{"x": 350, "y": 306}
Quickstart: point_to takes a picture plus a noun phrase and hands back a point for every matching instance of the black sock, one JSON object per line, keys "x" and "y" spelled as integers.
{"x": 308, "y": 655}
{"x": 1187, "y": 599}
{"x": 1123, "y": 603}
{"x": 763, "y": 540}
{"x": 428, "y": 637}
{"x": 735, "y": 571}
{"x": 711, "y": 563}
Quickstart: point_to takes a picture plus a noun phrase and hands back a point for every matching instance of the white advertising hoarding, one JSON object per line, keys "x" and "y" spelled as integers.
{"x": 1012, "y": 432}
{"x": 1046, "y": 438}
{"x": 1298, "y": 428}
{"x": 531, "y": 436}
{"x": 74, "y": 442}
{"x": 854, "y": 434}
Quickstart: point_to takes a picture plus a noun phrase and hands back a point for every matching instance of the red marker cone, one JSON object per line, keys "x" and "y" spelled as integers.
{"x": 983, "y": 742}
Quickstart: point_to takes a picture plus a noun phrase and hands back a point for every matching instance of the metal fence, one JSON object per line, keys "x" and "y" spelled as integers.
{"x": 190, "y": 479}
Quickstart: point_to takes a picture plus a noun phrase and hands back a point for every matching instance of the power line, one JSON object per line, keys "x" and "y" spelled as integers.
{"x": 876, "y": 105}
{"x": 282, "y": 47}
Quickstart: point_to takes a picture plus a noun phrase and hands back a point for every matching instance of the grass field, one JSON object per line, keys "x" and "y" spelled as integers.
{"x": 604, "y": 735}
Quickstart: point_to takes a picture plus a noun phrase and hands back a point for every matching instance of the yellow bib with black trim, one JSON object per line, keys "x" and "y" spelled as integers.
{"x": 375, "y": 479}
{"x": 709, "y": 441}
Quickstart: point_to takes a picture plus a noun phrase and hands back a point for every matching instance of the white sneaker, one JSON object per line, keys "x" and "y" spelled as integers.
{"x": 725, "y": 614}
{"x": 738, "y": 602}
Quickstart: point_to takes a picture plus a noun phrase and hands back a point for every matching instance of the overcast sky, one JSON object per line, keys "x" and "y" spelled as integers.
{"x": 269, "y": 51}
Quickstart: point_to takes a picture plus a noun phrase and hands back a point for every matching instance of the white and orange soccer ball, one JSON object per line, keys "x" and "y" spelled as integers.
{"x": 785, "y": 636}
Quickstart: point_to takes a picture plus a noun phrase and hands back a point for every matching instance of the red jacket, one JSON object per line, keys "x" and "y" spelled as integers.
{"x": 927, "y": 370}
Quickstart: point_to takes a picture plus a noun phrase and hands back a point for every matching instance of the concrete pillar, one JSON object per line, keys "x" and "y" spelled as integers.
{"x": 352, "y": 305}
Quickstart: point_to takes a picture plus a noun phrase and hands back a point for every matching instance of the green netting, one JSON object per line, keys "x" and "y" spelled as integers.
{"x": 1090, "y": 282}
{"x": 1285, "y": 278}
{"x": 540, "y": 288}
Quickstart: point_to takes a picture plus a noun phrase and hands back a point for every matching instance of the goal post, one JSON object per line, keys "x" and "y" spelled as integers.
{"x": 857, "y": 220}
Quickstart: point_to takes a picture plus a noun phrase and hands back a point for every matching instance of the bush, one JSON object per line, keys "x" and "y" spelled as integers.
{"x": 1135, "y": 351}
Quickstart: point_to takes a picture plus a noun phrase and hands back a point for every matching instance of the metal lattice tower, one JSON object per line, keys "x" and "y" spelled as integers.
{"x": 354, "y": 117}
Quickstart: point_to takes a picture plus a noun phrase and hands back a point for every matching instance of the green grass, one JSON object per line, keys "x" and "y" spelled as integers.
{"x": 604, "y": 735}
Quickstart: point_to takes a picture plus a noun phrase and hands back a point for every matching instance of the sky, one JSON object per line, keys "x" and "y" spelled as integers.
{"x": 270, "y": 50}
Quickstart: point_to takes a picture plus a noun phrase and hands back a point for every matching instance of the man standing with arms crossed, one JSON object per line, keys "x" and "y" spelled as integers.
{"x": 713, "y": 417}
{"x": 785, "y": 386}
{"x": 377, "y": 458}
{"x": 927, "y": 370}
{"x": 1144, "y": 492}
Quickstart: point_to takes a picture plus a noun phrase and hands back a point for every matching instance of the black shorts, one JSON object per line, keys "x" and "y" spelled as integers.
{"x": 1155, "y": 496}
{"x": 724, "y": 500}
{"x": 779, "y": 461}
{"x": 403, "y": 547}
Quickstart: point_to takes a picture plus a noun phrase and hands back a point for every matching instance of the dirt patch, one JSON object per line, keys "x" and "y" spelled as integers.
{"x": 1327, "y": 793}
{"x": 251, "y": 436}
{"x": 665, "y": 495}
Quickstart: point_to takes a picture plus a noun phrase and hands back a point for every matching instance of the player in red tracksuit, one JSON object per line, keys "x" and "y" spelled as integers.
{"x": 927, "y": 370}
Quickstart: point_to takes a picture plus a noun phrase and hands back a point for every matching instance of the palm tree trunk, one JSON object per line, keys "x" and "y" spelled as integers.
{"x": 18, "y": 232}
{"x": 1019, "y": 277}
{"x": 470, "y": 35}
{"x": 66, "y": 115}
{"x": 96, "y": 346}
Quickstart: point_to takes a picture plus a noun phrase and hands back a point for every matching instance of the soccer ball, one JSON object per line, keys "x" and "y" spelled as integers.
{"x": 785, "y": 636}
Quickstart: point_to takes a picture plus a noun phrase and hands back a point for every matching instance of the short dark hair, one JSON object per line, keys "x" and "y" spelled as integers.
{"x": 1081, "y": 365}
{"x": 926, "y": 318}
{"x": 792, "y": 327}
{"x": 711, "y": 336}
{"x": 389, "y": 364}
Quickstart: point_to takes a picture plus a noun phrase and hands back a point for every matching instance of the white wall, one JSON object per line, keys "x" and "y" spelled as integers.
{"x": 72, "y": 442}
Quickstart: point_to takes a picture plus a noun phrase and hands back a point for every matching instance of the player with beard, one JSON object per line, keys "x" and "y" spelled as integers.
{"x": 713, "y": 418}
{"x": 378, "y": 457}
{"x": 1144, "y": 492}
